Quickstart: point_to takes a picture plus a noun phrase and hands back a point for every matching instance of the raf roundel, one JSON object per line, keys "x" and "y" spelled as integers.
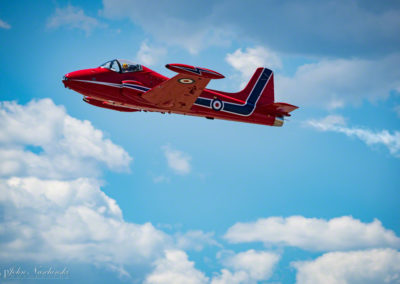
{"x": 217, "y": 105}
{"x": 186, "y": 81}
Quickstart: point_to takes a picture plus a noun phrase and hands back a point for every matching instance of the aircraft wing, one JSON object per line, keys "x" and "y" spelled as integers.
{"x": 180, "y": 92}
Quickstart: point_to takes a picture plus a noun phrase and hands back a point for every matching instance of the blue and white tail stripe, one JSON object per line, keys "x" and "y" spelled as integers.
{"x": 251, "y": 101}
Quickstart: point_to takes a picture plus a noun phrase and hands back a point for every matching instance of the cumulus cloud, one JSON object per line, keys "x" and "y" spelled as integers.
{"x": 355, "y": 267}
{"x": 51, "y": 211}
{"x": 248, "y": 267}
{"x": 65, "y": 146}
{"x": 46, "y": 220}
{"x": 150, "y": 55}
{"x": 246, "y": 62}
{"x": 245, "y": 267}
{"x": 250, "y": 59}
{"x": 178, "y": 161}
{"x": 343, "y": 233}
{"x": 228, "y": 277}
{"x": 175, "y": 267}
{"x": 366, "y": 266}
{"x": 4, "y": 25}
{"x": 73, "y": 18}
{"x": 337, "y": 123}
{"x": 335, "y": 82}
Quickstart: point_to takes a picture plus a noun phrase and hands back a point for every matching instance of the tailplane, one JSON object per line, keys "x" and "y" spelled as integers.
{"x": 277, "y": 109}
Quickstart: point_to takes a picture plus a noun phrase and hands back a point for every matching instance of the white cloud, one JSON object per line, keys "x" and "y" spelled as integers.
{"x": 178, "y": 161}
{"x": 175, "y": 268}
{"x": 337, "y": 123}
{"x": 68, "y": 147}
{"x": 74, "y": 18}
{"x": 336, "y": 82}
{"x": 343, "y": 233}
{"x": 150, "y": 55}
{"x": 49, "y": 211}
{"x": 228, "y": 277}
{"x": 246, "y": 267}
{"x": 4, "y": 25}
{"x": 195, "y": 240}
{"x": 246, "y": 62}
{"x": 255, "y": 265}
{"x": 46, "y": 220}
{"x": 356, "y": 267}
{"x": 74, "y": 221}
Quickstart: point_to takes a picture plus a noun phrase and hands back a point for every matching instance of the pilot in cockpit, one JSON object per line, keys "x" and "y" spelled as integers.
{"x": 125, "y": 67}
{"x": 122, "y": 66}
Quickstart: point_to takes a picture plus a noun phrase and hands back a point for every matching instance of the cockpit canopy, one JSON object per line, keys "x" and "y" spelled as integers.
{"x": 122, "y": 66}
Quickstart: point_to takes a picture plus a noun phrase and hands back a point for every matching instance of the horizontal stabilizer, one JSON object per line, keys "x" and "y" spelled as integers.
{"x": 192, "y": 70}
{"x": 278, "y": 109}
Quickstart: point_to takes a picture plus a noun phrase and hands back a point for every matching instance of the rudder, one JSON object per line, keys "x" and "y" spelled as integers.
{"x": 268, "y": 94}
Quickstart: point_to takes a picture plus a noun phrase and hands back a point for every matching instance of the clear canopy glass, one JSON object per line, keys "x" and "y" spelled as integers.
{"x": 122, "y": 66}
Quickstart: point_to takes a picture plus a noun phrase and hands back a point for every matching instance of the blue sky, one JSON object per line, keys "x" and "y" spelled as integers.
{"x": 151, "y": 198}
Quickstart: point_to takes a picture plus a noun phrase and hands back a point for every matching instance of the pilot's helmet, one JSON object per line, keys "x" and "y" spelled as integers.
{"x": 125, "y": 66}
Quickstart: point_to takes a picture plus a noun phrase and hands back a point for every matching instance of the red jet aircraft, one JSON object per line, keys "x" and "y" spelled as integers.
{"x": 125, "y": 86}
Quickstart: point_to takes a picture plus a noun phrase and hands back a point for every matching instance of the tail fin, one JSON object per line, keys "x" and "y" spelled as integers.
{"x": 259, "y": 94}
{"x": 266, "y": 102}
{"x": 257, "y": 81}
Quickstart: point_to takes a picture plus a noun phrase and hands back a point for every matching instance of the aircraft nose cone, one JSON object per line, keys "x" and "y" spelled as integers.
{"x": 65, "y": 80}
{"x": 70, "y": 79}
